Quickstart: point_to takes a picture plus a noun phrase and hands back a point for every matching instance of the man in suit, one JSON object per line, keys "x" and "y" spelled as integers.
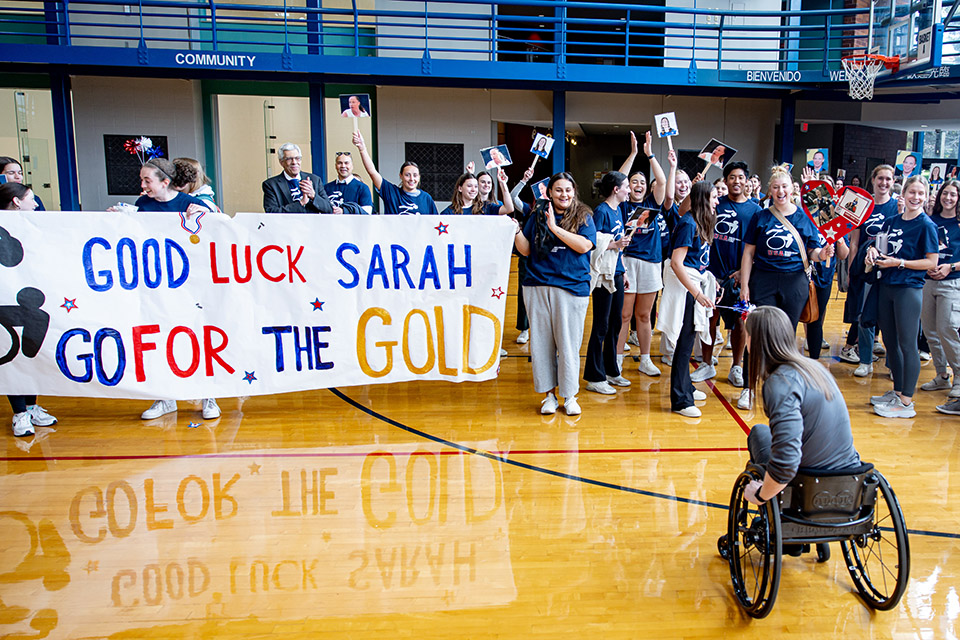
{"x": 294, "y": 191}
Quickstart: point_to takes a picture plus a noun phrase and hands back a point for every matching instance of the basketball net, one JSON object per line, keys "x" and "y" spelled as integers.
{"x": 862, "y": 72}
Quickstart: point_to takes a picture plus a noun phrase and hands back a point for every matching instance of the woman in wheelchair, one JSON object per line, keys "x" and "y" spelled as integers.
{"x": 809, "y": 423}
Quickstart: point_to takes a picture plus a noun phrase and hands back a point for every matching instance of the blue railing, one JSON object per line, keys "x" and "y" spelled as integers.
{"x": 533, "y": 31}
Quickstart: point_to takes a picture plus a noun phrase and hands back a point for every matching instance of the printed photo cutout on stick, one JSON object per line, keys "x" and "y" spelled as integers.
{"x": 908, "y": 163}
{"x": 819, "y": 160}
{"x": 717, "y": 153}
{"x": 938, "y": 171}
{"x": 355, "y": 105}
{"x": 497, "y": 156}
{"x": 841, "y": 174}
{"x": 542, "y": 146}
{"x": 854, "y": 205}
{"x": 639, "y": 217}
{"x": 539, "y": 189}
{"x": 666, "y": 124}
{"x": 819, "y": 203}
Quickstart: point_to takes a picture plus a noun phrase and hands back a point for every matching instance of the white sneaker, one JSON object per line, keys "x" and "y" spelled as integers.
{"x": 626, "y": 347}
{"x": 647, "y": 367}
{"x": 729, "y": 345}
{"x": 955, "y": 391}
{"x": 850, "y": 354}
{"x": 211, "y": 411}
{"x": 690, "y": 412}
{"x": 699, "y": 396}
{"x": 744, "y": 401}
{"x": 895, "y": 409}
{"x": 571, "y": 407}
{"x": 939, "y": 382}
{"x": 503, "y": 353}
{"x": 601, "y": 387}
{"x": 667, "y": 360}
{"x": 618, "y": 381}
{"x": 632, "y": 339}
{"x": 620, "y": 362}
{"x": 886, "y": 398}
{"x": 703, "y": 372}
{"x": 878, "y": 348}
{"x": 925, "y": 356}
{"x": 735, "y": 377}
{"x": 524, "y": 337}
{"x": 39, "y": 416}
{"x": 719, "y": 339}
{"x": 824, "y": 345}
{"x": 863, "y": 370}
{"x": 549, "y": 405}
{"x": 22, "y": 425}
{"x": 159, "y": 408}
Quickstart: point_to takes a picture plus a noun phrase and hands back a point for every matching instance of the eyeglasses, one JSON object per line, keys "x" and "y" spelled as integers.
{"x": 343, "y": 153}
{"x": 291, "y": 159}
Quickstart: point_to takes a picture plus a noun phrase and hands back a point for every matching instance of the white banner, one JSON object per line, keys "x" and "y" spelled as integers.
{"x": 134, "y": 305}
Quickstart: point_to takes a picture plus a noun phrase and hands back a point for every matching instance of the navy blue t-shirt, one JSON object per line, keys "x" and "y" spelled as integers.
{"x": 396, "y": 201}
{"x": 776, "y": 248}
{"x": 353, "y": 191}
{"x": 908, "y": 240}
{"x": 668, "y": 220}
{"x": 871, "y": 226}
{"x": 823, "y": 275}
{"x": 489, "y": 209}
{"x": 40, "y": 206}
{"x": 646, "y": 243}
{"x": 727, "y": 249}
{"x": 685, "y": 234}
{"x": 608, "y": 220}
{"x": 562, "y": 266}
{"x": 177, "y": 205}
{"x": 948, "y": 239}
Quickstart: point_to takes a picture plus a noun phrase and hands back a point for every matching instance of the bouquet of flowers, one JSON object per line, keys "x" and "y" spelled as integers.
{"x": 143, "y": 147}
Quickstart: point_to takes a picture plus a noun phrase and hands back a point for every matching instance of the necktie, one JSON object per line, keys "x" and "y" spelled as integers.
{"x": 294, "y": 189}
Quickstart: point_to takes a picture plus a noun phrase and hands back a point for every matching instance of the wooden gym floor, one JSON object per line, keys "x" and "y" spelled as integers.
{"x": 439, "y": 510}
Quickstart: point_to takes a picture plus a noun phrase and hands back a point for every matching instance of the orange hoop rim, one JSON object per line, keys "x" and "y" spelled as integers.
{"x": 890, "y": 62}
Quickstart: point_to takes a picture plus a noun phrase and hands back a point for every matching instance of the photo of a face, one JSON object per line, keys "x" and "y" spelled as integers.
{"x": 819, "y": 203}
{"x": 908, "y": 163}
{"x": 496, "y": 157}
{"x": 937, "y": 172}
{"x": 539, "y": 189}
{"x": 717, "y": 153}
{"x": 542, "y": 145}
{"x": 819, "y": 160}
{"x": 666, "y": 124}
{"x": 355, "y": 105}
{"x": 854, "y": 206}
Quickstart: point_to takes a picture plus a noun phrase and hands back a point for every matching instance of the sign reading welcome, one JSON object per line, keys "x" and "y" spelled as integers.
{"x": 138, "y": 305}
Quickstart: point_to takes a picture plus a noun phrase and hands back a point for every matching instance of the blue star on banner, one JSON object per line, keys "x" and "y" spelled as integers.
{"x": 441, "y": 229}
{"x": 69, "y": 304}
{"x": 317, "y": 305}
{"x": 249, "y": 377}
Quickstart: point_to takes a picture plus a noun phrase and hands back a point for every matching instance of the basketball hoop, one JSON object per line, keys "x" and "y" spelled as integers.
{"x": 862, "y": 71}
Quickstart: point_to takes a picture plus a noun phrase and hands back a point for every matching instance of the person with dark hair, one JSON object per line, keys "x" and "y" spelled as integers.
{"x": 407, "y": 200}
{"x": 557, "y": 240}
{"x": 778, "y": 245}
{"x": 940, "y": 313}
{"x": 465, "y": 199}
{"x": 521, "y": 214}
{"x": 12, "y": 170}
{"x": 602, "y": 371}
{"x": 355, "y": 108}
{"x": 347, "y": 188}
{"x": 157, "y": 177}
{"x": 293, "y": 190}
{"x": 689, "y": 292}
{"x": 809, "y": 421}
{"x": 734, "y": 213}
{"x": 859, "y": 347}
{"x": 27, "y": 414}
{"x": 643, "y": 255}
{"x": 912, "y": 249}
{"x": 191, "y": 179}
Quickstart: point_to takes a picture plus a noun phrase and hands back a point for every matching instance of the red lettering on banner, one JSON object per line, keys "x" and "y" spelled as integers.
{"x": 236, "y": 269}
{"x": 260, "y": 254}
{"x": 217, "y": 279}
{"x": 211, "y": 352}
{"x": 293, "y": 263}
{"x": 139, "y": 347}
{"x": 194, "y": 351}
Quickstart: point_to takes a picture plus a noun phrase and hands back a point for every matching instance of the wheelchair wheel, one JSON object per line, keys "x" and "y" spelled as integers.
{"x": 879, "y": 562}
{"x": 753, "y": 547}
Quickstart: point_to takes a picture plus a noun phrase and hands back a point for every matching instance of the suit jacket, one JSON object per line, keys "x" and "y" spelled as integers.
{"x": 277, "y": 199}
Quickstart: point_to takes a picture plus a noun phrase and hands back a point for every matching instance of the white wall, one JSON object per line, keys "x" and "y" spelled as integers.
{"x": 26, "y": 129}
{"x": 130, "y": 106}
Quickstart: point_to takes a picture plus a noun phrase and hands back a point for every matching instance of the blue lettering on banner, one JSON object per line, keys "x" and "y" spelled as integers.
{"x": 400, "y": 265}
{"x": 310, "y": 345}
{"x": 128, "y": 264}
{"x": 88, "y": 359}
{"x": 346, "y": 265}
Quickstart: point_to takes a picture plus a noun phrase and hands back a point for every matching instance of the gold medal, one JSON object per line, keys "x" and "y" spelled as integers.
{"x": 194, "y": 238}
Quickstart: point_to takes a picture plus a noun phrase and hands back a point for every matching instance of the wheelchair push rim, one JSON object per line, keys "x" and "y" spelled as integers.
{"x": 879, "y": 562}
{"x": 753, "y": 537}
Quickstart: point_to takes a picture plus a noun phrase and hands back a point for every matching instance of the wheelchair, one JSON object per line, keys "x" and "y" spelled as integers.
{"x": 818, "y": 507}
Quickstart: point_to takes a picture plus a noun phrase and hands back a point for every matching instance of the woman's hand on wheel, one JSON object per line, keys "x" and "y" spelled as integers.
{"x": 751, "y": 490}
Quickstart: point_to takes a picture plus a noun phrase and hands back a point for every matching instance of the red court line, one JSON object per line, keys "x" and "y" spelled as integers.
{"x": 353, "y": 454}
{"x": 726, "y": 405}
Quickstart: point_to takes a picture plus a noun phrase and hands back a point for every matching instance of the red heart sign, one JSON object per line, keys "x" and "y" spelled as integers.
{"x": 835, "y": 214}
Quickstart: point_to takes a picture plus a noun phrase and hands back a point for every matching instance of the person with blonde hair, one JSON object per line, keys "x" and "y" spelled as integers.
{"x": 911, "y": 249}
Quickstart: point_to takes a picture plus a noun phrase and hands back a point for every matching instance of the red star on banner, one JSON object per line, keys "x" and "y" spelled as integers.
{"x": 69, "y": 304}
{"x": 441, "y": 229}
{"x": 497, "y": 293}
{"x": 317, "y": 305}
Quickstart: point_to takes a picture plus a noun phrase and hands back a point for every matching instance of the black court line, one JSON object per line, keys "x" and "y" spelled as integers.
{"x": 559, "y": 474}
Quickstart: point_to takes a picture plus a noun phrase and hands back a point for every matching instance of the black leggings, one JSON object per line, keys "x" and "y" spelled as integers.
{"x": 522, "y": 323}
{"x": 681, "y": 387}
{"x": 19, "y": 404}
{"x": 899, "y": 324}
{"x": 815, "y": 329}
{"x": 787, "y": 291}
{"x": 602, "y": 345}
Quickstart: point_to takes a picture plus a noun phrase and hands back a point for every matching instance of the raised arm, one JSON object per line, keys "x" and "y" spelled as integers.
{"x": 628, "y": 163}
{"x": 670, "y": 183}
{"x": 371, "y": 168}
{"x": 507, "y": 207}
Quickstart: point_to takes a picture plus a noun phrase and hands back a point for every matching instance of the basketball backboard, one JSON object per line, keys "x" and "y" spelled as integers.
{"x": 909, "y": 29}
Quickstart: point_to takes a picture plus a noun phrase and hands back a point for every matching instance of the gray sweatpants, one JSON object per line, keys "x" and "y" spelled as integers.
{"x": 556, "y": 333}
{"x": 940, "y": 318}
